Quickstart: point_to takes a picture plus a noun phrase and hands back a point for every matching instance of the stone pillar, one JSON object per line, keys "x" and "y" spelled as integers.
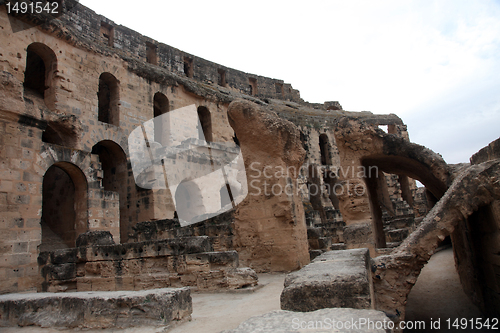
{"x": 270, "y": 228}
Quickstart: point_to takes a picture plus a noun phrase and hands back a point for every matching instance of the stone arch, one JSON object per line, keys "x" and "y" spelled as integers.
{"x": 116, "y": 177}
{"x": 396, "y": 273}
{"x": 111, "y": 134}
{"x": 206, "y": 123}
{"x": 64, "y": 206}
{"x": 161, "y": 106}
{"x": 108, "y": 99}
{"x": 39, "y": 75}
{"x": 362, "y": 146}
{"x": 375, "y": 166}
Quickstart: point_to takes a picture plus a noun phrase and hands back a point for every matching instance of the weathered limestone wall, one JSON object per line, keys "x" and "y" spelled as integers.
{"x": 20, "y": 204}
{"x": 99, "y": 265}
{"x": 270, "y": 226}
{"x": 96, "y": 310}
{"x": 62, "y": 132}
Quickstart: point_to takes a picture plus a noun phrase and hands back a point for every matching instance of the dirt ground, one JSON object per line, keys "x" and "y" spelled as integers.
{"x": 438, "y": 295}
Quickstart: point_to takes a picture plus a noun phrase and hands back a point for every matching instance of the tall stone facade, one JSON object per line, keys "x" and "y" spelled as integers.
{"x": 73, "y": 90}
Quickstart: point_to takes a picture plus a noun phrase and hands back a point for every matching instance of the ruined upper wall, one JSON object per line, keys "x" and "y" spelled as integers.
{"x": 85, "y": 27}
{"x": 488, "y": 153}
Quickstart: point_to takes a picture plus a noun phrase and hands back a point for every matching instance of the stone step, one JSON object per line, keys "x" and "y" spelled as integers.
{"x": 115, "y": 309}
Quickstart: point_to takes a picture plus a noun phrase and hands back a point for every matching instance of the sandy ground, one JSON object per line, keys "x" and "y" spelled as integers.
{"x": 215, "y": 312}
{"x": 439, "y": 295}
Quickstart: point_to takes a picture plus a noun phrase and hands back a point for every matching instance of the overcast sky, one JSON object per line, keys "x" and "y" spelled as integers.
{"x": 436, "y": 64}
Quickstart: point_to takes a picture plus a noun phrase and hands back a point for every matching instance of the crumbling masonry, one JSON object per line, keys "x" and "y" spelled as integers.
{"x": 72, "y": 217}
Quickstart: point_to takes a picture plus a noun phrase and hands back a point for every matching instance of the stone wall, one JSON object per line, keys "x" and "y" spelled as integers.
{"x": 65, "y": 129}
{"x": 183, "y": 261}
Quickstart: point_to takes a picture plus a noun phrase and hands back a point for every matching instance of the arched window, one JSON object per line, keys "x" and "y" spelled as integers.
{"x": 161, "y": 106}
{"x": 324, "y": 147}
{"x": 206, "y": 124}
{"x": 41, "y": 64}
{"x": 108, "y": 96}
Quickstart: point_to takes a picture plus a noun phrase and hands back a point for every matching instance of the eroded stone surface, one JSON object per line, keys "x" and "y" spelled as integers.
{"x": 96, "y": 310}
{"x": 270, "y": 226}
{"x": 324, "y": 320}
{"x": 333, "y": 279}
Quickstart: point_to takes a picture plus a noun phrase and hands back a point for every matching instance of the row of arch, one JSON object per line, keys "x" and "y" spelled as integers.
{"x": 41, "y": 68}
{"x": 70, "y": 197}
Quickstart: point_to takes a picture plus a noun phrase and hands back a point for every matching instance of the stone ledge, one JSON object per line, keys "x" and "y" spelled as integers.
{"x": 334, "y": 279}
{"x": 115, "y": 309}
{"x": 316, "y": 321}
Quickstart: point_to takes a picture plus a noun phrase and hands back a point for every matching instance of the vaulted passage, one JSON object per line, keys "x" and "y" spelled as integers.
{"x": 377, "y": 187}
{"x": 64, "y": 206}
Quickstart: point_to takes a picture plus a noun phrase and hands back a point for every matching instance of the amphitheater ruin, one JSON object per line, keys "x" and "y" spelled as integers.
{"x": 331, "y": 194}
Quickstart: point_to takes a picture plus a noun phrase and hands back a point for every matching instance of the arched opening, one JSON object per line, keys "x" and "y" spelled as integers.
{"x": 188, "y": 201}
{"x": 160, "y": 106}
{"x": 108, "y": 96}
{"x": 324, "y": 146}
{"x": 206, "y": 124}
{"x": 403, "y": 167}
{"x": 438, "y": 293}
{"x": 64, "y": 206}
{"x": 116, "y": 178}
{"x": 41, "y": 64}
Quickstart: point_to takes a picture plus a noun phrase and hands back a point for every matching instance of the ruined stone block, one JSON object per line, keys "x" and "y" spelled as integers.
{"x": 333, "y": 279}
{"x": 96, "y": 310}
